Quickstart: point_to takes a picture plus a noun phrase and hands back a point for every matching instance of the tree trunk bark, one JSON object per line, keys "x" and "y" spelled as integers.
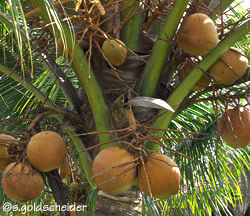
{"x": 126, "y": 203}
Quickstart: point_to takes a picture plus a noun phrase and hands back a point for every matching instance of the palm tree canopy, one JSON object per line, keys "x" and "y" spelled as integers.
{"x": 56, "y": 75}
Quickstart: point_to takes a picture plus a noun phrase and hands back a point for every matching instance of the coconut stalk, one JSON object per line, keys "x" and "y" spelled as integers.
{"x": 131, "y": 30}
{"x": 160, "y": 51}
{"x": 176, "y": 98}
{"x": 220, "y": 7}
{"x": 81, "y": 68}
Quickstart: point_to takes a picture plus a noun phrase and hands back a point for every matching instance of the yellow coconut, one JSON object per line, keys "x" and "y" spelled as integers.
{"x": 202, "y": 83}
{"x": 197, "y": 35}
{"x": 160, "y": 175}
{"x": 235, "y": 127}
{"x": 64, "y": 169}
{"x": 5, "y": 140}
{"x": 114, "y": 170}
{"x": 115, "y": 51}
{"x": 46, "y": 151}
{"x": 230, "y": 67}
{"x": 21, "y": 183}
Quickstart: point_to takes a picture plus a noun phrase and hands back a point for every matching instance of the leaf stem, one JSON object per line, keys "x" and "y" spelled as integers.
{"x": 160, "y": 51}
{"x": 80, "y": 66}
{"x": 187, "y": 84}
{"x": 130, "y": 33}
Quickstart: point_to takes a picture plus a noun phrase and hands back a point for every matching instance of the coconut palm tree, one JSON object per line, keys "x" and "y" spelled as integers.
{"x": 55, "y": 75}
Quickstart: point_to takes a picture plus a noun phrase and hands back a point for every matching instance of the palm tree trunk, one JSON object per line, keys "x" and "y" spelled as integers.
{"x": 126, "y": 203}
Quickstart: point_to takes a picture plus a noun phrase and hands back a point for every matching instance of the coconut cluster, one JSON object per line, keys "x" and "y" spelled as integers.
{"x": 115, "y": 170}
{"x": 22, "y": 181}
{"x": 197, "y": 36}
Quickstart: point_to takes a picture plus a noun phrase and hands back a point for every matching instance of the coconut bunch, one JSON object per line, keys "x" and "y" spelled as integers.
{"x": 20, "y": 181}
{"x": 23, "y": 181}
{"x": 197, "y": 36}
{"x": 115, "y": 170}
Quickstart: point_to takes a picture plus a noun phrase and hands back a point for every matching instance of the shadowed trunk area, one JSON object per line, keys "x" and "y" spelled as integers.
{"x": 126, "y": 203}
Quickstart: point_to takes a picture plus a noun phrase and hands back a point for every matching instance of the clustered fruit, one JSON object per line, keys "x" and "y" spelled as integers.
{"x": 115, "y": 170}
{"x": 22, "y": 181}
{"x": 198, "y": 36}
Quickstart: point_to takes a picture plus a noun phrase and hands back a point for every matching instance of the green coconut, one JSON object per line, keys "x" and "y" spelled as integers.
{"x": 115, "y": 51}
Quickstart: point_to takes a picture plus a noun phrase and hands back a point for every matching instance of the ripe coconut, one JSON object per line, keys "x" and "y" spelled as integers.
{"x": 115, "y": 51}
{"x": 160, "y": 175}
{"x": 202, "y": 83}
{"x": 197, "y": 35}
{"x": 64, "y": 169}
{"x": 5, "y": 140}
{"x": 21, "y": 183}
{"x": 235, "y": 127}
{"x": 230, "y": 67}
{"x": 46, "y": 151}
{"x": 114, "y": 170}
{"x": 62, "y": 48}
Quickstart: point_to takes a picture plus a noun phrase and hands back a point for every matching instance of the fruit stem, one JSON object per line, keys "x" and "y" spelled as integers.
{"x": 131, "y": 118}
{"x": 220, "y": 7}
{"x": 80, "y": 66}
{"x": 187, "y": 84}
